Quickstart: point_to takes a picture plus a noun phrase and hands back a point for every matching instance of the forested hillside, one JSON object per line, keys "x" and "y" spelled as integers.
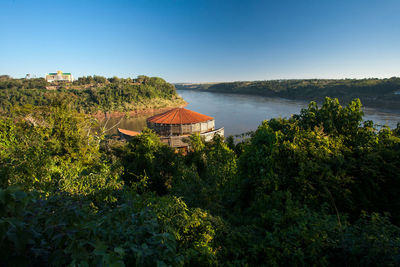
{"x": 320, "y": 188}
{"x": 90, "y": 94}
{"x": 383, "y": 93}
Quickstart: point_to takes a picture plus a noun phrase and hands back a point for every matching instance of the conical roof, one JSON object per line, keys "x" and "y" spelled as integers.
{"x": 179, "y": 116}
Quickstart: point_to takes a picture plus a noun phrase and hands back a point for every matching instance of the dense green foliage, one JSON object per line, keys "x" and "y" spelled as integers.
{"x": 372, "y": 92}
{"x": 319, "y": 188}
{"x": 50, "y": 150}
{"x": 90, "y": 94}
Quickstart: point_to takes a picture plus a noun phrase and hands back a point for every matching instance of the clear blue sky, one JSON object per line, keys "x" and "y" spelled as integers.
{"x": 202, "y": 41}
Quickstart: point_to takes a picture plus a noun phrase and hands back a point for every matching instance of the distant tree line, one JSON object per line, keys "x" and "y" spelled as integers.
{"x": 6, "y": 82}
{"x": 372, "y": 92}
{"x": 95, "y": 79}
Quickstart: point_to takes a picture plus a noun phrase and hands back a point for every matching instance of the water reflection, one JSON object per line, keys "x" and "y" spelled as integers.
{"x": 135, "y": 123}
{"x": 242, "y": 113}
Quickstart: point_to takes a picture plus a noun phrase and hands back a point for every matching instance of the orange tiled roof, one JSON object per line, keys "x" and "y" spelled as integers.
{"x": 179, "y": 116}
{"x": 127, "y": 132}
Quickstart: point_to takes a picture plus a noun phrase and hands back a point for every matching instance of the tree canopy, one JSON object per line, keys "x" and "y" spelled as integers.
{"x": 319, "y": 188}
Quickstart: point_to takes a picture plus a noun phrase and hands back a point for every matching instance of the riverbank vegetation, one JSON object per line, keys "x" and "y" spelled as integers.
{"x": 319, "y": 188}
{"x": 91, "y": 94}
{"x": 382, "y": 93}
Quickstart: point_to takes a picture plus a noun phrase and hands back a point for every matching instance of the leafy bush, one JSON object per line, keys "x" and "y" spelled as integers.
{"x": 145, "y": 156}
{"x": 49, "y": 149}
{"x": 78, "y": 234}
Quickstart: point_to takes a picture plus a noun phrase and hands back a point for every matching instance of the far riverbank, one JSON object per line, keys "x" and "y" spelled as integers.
{"x": 373, "y": 93}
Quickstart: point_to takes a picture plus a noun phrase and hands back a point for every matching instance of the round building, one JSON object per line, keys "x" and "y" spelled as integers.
{"x": 175, "y": 125}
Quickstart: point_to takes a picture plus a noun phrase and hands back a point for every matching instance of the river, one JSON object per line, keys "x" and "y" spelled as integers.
{"x": 243, "y": 113}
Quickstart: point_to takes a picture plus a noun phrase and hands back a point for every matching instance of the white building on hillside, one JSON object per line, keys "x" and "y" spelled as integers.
{"x": 59, "y": 76}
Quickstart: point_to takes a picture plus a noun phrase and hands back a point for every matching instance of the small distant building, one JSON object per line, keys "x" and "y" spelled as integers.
{"x": 176, "y": 125}
{"x": 59, "y": 76}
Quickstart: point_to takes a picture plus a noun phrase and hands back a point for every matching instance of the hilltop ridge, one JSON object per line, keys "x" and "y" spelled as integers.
{"x": 91, "y": 94}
